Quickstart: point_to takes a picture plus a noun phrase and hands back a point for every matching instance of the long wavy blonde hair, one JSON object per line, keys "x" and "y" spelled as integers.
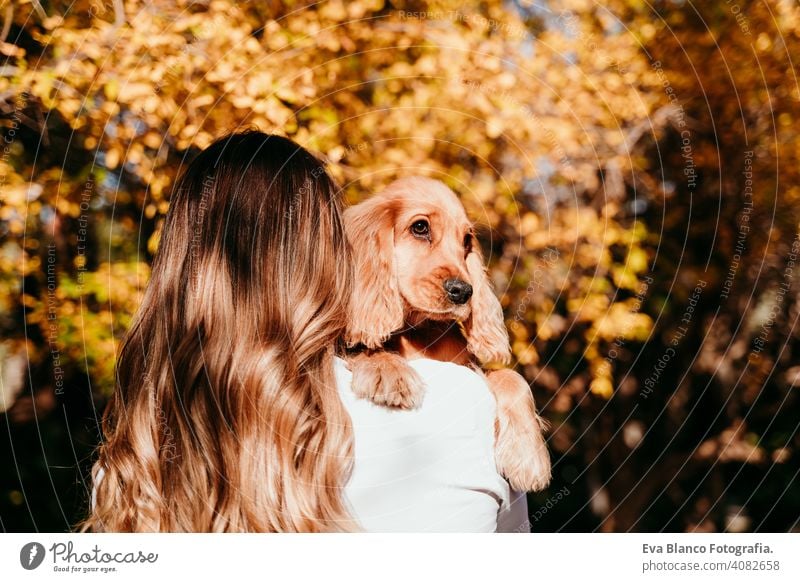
{"x": 225, "y": 415}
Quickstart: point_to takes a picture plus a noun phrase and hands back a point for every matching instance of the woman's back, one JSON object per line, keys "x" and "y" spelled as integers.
{"x": 430, "y": 469}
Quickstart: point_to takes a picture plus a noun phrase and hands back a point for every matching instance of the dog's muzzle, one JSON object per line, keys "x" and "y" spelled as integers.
{"x": 458, "y": 291}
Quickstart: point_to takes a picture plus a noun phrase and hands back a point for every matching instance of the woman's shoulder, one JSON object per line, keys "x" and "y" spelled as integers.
{"x": 443, "y": 380}
{"x": 451, "y": 379}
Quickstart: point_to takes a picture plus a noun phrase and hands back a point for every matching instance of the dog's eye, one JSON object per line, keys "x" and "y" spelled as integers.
{"x": 468, "y": 242}
{"x": 421, "y": 229}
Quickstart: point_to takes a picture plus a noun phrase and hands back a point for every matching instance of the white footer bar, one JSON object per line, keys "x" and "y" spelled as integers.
{"x": 402, "y": 557}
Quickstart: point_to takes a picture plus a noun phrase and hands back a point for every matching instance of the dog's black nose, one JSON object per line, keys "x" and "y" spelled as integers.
{"x": 458, "y": 291}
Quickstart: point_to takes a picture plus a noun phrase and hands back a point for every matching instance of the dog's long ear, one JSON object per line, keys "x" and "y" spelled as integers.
{"x": 376, "y": 307}
{"x": 487, "y": 336}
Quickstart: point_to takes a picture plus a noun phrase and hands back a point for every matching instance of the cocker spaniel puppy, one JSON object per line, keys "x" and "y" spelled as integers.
{"x": 421, "y": 290}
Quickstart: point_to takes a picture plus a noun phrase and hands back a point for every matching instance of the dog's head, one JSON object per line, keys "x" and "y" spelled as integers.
{"x": 416, "y": 259}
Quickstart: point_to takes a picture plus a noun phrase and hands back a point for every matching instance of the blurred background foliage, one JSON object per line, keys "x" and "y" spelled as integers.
{"x": 633, "y": 167}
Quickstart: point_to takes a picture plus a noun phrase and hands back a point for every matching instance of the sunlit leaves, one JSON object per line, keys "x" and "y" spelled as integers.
{"x": 525, "y": 128}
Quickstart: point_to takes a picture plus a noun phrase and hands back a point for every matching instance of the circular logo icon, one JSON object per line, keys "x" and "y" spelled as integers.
{"x": 31, "y": 555}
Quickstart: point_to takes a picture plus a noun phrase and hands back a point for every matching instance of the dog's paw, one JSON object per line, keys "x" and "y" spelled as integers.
{"x": 386, "y": 379}
{"x": 521, "y": 452}
{"x": 521, "y": 455}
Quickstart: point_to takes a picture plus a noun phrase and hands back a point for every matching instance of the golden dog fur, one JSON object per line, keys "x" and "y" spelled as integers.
{"x": 416, "y": 259}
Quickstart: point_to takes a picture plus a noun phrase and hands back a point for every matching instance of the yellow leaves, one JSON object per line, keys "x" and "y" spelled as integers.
{"x": 494, "y": 127}
{"x": 588, "y": 308}
{"x": 647, "y": 31}
{"x": 84, "y": 336}
{"x": 68, "y": 103}
{"x": 119, "y": 283}
{"x": 16, "y": 196}
{"x": 157, "y": 184}
{"x": 31, "y": 265}
{"x": 518, "y": 331}
{"x": 520, "y": 136}
{"x": 260, "y": 84}
{"x": 588, "y": 224}
{"x": 200, "y": 101}
{"x": 525, "y": 353}
{"x": 110, "y": 108}
{"x": 529, "y": 224}
{"x": 637, "y": 233}
{"x": 203, "y": 139}
{"x": 152, "y": 140}
{"x": 11, "y": 257}
{"x": 42, "y": 87}
{"x": 276, "y": 112}
{"x": 550, "y": 327}
{"x": 79, "y": 262}
{"x": 135, "y": 153}
{"x": 275, "y": 36}
{"x": 112, "y": 157}
{"x": 624, "y": 278}
{"x": 328, "y": 40}
{"x": 357, "y": 9}
{"x": 483, "y": 189}
{"x": 602, "y": 382}
{"x": 129, "y": 92}
{"x": 619, "y": 321}
{"x": 155, "y": 239}
{"x": 602, "y": 387}
{"x": 111, "y": 89}
{"x": 11, "y": 50}
{"x": 540, "y": 238}
{"x": 244, "y": 101}
{"x": 29, "y": 300}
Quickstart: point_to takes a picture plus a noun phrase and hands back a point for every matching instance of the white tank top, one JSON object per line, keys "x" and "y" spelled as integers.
{"x": 431, "y": 469}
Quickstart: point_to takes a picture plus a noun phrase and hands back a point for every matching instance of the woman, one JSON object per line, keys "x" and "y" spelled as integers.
{"x": 229, "y": 414}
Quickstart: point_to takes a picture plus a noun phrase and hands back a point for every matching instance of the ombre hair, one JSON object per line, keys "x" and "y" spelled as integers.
{"x": 226, "y": 415}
